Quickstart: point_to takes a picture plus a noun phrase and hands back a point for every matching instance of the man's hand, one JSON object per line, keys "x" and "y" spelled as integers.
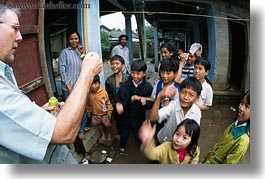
{"x": 50, "y": 108}
{"x": 92, "y": 62}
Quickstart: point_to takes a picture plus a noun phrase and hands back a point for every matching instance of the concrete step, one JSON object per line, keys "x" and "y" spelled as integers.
{"x": 227, "y": 97}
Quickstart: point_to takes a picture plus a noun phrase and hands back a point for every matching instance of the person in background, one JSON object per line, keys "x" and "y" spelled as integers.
{"x": 186, "y": 64}
{"x": 122, "y": 50}
{"x": 201, "y": 69}
{"x": 194, "y": 53}
{"x": 232, "y": 147}
{"x": 167, "y": 51}
{"x": 112, "y": 86}
{"x": 33, "y": 134}
{"x": 179, "y": 52}
{"x": 70, "y": 63}
{"x": 183, "y": 149}
{"x": 100, "y": 109}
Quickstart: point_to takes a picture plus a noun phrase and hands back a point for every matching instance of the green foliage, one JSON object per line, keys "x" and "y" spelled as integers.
{"x": 173, "y": 36}
{"x": 114, "y": 29}
{"x": 105, "y": 44}
{"x": 149, "y": 30}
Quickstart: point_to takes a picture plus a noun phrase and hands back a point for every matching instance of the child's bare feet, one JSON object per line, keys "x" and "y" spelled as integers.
{"x": 117, "y": 137}
{"x": 82, "y": 136}
{"x": 102, "y": 138}
{"x": 109, "y": 138}
{"x": 87, "y": 129}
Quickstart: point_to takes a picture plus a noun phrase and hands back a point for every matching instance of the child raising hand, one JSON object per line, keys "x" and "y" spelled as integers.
{"x": 183, "y": 149}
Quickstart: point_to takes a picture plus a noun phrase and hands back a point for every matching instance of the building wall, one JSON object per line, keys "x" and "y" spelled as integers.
{"x": 222, "y": 54}
{"x": 221, "y": 67}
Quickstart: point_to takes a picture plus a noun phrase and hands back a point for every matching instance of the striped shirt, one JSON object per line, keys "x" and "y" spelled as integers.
{"x": 69, "y": 66}
{"x": 187, "y": 71}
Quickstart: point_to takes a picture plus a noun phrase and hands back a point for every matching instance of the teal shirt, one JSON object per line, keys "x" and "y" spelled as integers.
{"x": 232, "y": 147}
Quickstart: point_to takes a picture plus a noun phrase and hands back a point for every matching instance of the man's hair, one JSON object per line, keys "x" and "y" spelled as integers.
{"x": 169, "y": 64}
{"x": 3, "y": 9}
{"x": 117, "y": 57}
{"x": 138, "y": 65}
{"x": 121, "y": 36}
{"x": 192, "y": 83}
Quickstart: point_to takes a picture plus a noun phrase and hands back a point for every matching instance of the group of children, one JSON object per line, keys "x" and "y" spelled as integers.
{"x": 171, "y": 133}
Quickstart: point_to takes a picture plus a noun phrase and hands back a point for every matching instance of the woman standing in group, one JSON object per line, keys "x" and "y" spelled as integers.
{"x": 70, "y": 62}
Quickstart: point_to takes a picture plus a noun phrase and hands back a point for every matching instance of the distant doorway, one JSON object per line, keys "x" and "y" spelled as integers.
{"x": 237, "y": 55}
{"x": 57, "y": 22}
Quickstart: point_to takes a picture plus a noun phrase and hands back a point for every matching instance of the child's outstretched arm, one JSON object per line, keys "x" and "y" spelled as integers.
{"x": 168, "y": 91}
{"x": 183, "y": 58}
{"x": 146, "y": 133}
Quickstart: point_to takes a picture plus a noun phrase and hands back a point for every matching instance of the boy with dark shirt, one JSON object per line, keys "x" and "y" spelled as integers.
{"x": 112, "y": 86}
{"x": 133, "y": 101}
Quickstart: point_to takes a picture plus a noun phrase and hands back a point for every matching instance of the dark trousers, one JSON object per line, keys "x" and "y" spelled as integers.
{"x": 125, "y": 134}
{"x": 119, "y": 120}
{"x": 79, "y": 146}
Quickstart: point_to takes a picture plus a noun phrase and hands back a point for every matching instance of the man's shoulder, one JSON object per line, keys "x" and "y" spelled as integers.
{"x": 117, "y": 46}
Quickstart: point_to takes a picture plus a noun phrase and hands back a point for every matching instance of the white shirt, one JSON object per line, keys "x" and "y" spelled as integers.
{"x": 173, "y": 115}
{"x": 206, "y": 97}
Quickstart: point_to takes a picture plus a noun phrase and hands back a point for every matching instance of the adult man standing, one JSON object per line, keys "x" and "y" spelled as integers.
{"x": 28, "y": 133}
{"x": 122, "y": 50}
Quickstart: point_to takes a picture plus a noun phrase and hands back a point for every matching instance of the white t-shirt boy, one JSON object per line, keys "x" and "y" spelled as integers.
{"x": 173, "y": 114}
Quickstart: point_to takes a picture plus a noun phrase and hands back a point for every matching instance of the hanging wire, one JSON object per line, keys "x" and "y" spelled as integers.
{"x": 180, "y": 14}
